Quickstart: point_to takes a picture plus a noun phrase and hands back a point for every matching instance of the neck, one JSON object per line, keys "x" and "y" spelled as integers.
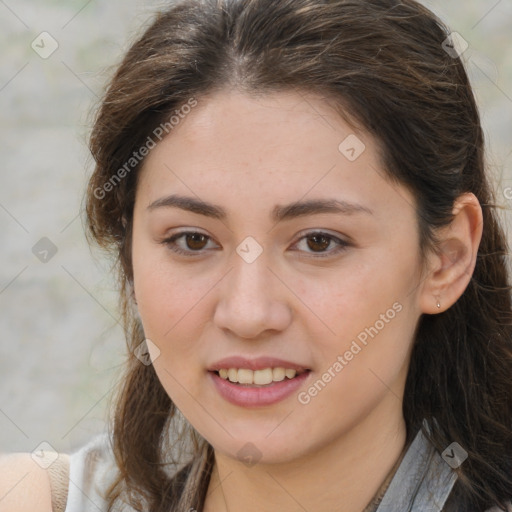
{"x": 345, "y": 473}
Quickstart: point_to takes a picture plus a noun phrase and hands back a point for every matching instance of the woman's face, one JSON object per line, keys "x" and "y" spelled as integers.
{"x": 300, "y": 281}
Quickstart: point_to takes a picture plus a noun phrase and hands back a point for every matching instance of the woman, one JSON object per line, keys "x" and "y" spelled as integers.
{"x": 313, "y": 277}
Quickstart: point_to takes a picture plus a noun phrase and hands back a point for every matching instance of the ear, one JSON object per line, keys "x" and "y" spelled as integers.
{"x": 453, "y": 263}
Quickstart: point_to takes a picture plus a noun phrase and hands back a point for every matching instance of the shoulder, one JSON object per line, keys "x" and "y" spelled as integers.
{"x": 24, "y": 484}
{"x": 79, "y": 485}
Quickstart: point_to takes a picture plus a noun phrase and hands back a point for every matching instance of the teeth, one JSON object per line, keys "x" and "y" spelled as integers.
{"x": 290, "y": 373}
{"x": 257, "y": 377}
{"x": 262, "y": 377}
{"x": 245, "y": 376}
{"x": 278, "y": 374}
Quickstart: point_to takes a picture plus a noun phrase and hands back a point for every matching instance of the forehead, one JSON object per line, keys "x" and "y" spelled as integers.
{"x": 250, "y": 126}
{"x": 277, "y": 148}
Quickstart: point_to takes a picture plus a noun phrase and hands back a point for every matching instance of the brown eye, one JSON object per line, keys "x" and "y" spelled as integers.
{"x": 318, "y": 245}
{"x": 195, "y": 241}
{"x": 319, "y": 242}
{"x": 188, "y": 243}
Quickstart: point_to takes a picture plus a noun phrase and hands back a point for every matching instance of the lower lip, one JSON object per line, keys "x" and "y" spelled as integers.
{"x": 247, "y": 396}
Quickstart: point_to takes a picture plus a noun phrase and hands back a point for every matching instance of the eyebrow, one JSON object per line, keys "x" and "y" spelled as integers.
{"x": 279, "y": 213}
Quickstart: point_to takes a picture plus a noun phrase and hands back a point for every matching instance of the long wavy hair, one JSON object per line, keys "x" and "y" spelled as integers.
{"x": 386, "y": 65}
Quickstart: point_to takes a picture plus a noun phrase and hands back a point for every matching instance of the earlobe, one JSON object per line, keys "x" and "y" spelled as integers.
{"x": 455, "y": 258}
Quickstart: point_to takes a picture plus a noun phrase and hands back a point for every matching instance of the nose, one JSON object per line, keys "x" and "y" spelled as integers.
{"x": 252, "y": 300}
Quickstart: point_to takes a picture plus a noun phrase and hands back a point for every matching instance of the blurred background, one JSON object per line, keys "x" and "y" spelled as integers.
{"x": 62, "y": 346}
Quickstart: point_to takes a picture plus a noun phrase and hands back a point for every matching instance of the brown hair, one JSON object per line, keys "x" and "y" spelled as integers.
{"x": 384, "y": 64}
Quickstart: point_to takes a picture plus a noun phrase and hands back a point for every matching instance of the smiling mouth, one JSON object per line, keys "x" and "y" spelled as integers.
{"x": 258, "y": 378}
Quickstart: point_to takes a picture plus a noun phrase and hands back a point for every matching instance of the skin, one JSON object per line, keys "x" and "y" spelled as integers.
{"x": 24, "y": 485}
{"x": 248, "y": 155}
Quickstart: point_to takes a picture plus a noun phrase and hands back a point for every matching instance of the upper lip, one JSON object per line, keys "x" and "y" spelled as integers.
{"x": 258, "y": 363}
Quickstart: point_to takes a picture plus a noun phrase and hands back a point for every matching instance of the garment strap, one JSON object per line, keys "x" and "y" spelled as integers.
{"x": 423, "y": 482}
{"x": 57, "y": 468}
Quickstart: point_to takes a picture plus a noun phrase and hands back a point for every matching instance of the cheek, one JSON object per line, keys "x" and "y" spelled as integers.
{"x": 170, "y": 309}
{"x": 350, "y": 299}
{"x": 366, "y": 315}
{"x": 174, "y": 310}
{"x": 164, "y": 292}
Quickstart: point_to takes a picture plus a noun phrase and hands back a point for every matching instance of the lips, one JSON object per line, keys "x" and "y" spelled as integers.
{"x": 259, "y": 363}
{"x": 256, "y": 382}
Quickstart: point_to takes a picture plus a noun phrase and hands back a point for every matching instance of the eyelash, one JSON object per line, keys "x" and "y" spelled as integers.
{"x": 170, "y": 242}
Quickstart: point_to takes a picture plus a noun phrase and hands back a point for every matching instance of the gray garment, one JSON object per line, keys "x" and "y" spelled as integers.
{"x": 422, "y": 482}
